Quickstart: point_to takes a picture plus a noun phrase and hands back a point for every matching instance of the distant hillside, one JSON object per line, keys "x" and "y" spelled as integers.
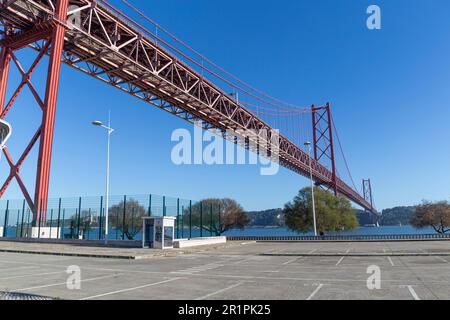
{"x": 266, "y": 218}
{"x": 396, "y": 216}
{"x": 389, "y": 217}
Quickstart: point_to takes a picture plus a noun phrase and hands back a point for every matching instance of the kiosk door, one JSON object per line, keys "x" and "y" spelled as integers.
{"x": 149, "y": 224}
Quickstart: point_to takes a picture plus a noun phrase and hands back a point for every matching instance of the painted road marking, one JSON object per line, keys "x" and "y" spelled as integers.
{"x": 442, "y": 259}
{"x": 413, "y": 293}
{"x": 391, "y": 262}
{"x": 290, "y": 261}
{"x": 32, "y": 275}
{"x": 64, "y": 283}
{"x": 348, "y": 250}
{"x": 130, "y": 289}
{"x": 340, "y": 260}
{"x": 198, "y": 269}
{"x": 18, "y": 268}
{"x": 315, "y": 292}
{"x": 220, "y": 291}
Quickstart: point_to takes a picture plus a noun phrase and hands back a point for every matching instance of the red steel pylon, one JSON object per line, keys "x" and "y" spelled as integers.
{"x": 367, "y": 193}
{"x": 51, "y": 31}
{"x": 323, "y": 140}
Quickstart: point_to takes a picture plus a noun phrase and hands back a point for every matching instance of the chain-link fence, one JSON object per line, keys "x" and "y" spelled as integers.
{"x": 84, "y": 217}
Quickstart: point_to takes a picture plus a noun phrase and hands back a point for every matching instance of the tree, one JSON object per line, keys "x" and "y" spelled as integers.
{"x": 85, "y": 220}
{"x": 216, "y": 215}
{"x": 436, "y": 215}
{"x": 332, "y": 213}
{"x": 129, "y": 221}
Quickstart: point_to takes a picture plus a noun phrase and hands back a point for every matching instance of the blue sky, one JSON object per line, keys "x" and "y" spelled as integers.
{"x": 389, "y": 90}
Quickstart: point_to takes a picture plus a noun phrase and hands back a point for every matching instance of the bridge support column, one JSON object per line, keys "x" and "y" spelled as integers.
{"x": 5, "y": 60}
{"x": 48, "y": 117}
{"x": 52, "y": 33}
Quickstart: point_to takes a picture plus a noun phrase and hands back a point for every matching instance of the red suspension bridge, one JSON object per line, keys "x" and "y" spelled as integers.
{"x": 97, "y": 39}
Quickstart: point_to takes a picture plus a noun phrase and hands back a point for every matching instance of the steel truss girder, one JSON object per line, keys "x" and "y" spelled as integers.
{"x": 114, "y": 51}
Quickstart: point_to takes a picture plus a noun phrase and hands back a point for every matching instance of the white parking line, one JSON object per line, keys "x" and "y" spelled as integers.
{"x": 340, "y": 260}
{"x": 348, "y": 250}
{"x": 220, "y": 291}
{"x": 130, "y": 289}
{"x": 312, "y": 251}
{"x": 32, "y": 275}
{"x": 64, "y": 283}
{"x": 442, "y": 259}
{"x": 413, "y": 293}
{"x": 197, "y": 269}
{"x": 290, "y": 261}
{"x": 18, "y": 268}
{"x": 315, "y": 292}
{"x": 391, "y": 262}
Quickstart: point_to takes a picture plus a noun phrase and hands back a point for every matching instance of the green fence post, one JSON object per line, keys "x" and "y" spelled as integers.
{"x": 150, "y": 205}
{"x": 63, "y": 221}
{"x": 17, "y": 223}
{"x": 178, "y": 218}
{"x": 201, "y": 219}
{"x": 182, "y": 222}
{"x": 220, "y": 222}
{"x": 211, "y": 220}
{"x": 59, "y": 217}
{"x": 23, "y": 214}
{"x": 190, "y": 219}
{"x": 124, "y": 213}
{"x": 79, "y": 218}
{"x": 132, "y": 220}
{"x": 5, "y": 225}
{"x": 28, "y": 222}
{"x": 100, "y": 219}
{"x": 164, "y": 206}
{"x": 117, "y": 223}
{"x": 88, "y": 224}
{"x": 51, "y": 218}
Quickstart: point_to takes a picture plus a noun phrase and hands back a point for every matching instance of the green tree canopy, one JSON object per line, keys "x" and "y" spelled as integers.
{"x": 216, "y": 215}
{"x": 127, "y": 218}
{"x": 436, "y": 215}
{"x": 332, "y": 213}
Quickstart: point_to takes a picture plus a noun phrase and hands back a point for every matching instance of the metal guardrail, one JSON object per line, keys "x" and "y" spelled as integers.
{"x": 343, "y": 238}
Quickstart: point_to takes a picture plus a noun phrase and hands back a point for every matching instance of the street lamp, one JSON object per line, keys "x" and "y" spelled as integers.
{"x": 109, "y": 130}
{"x": 308, "y": 145}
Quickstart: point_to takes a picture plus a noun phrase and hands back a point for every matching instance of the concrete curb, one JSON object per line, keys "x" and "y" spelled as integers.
{"x": 350, "y": 240}
{"x": 72, "y": 254}
{"x": 343, "y": 254}
{"x": 167, "y": 253}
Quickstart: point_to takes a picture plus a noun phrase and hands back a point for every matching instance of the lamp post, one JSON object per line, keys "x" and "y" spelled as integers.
{"x": 308, "y": 145}
{"x": 109, "y": 131}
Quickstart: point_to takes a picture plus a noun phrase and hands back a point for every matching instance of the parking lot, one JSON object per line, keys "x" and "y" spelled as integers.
{"x": 258, "y": 271}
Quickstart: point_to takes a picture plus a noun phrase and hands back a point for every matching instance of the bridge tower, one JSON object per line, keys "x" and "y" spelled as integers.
{"x": 367, "y": 193}
{"x": 51, "y": 32}
{"x": 323, "y": 140}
